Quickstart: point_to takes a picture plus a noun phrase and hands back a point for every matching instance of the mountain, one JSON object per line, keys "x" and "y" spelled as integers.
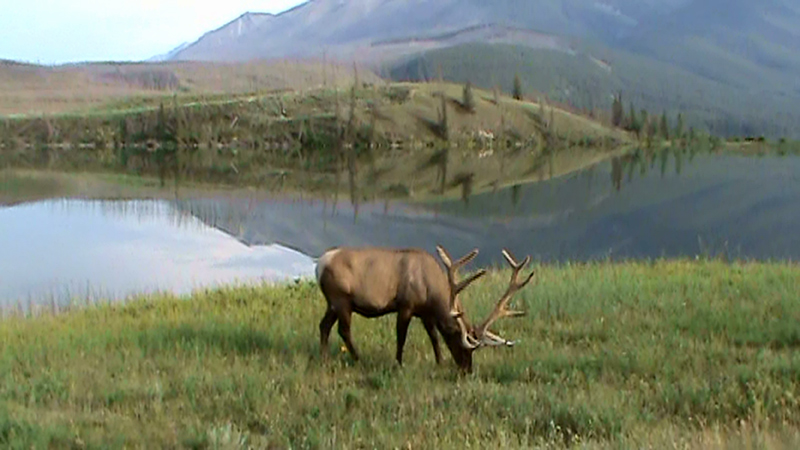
{"x": 354, "y": 28}
{"x": 589, "y": 76}
{"x": 221, "y": 44}
{"x": 740, "y": 49}
{"x": 741, "y": 42}
{"x": 169, "y": 55}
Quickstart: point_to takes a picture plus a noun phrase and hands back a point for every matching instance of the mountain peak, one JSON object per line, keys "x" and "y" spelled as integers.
{"x": 254, "y": 15}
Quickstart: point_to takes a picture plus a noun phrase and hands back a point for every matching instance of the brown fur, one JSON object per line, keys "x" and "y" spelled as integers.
{"x": 374, "y": 282}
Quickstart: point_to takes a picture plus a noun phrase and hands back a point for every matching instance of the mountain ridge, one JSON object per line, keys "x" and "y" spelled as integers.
{"x": 752, "y": 47}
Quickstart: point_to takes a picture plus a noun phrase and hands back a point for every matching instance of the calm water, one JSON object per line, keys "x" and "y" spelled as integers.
{"x": 673, "y": 206}
{"x": 56, "y": 250}
{"x": 739, "y": 206}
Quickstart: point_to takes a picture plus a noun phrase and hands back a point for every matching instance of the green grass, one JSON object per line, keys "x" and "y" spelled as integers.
{"x": 683, "y": 353}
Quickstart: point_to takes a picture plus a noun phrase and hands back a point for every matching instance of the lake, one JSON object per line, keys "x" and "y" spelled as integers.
{"x": 672, "y": 205}
{"x": 57, "y": 250}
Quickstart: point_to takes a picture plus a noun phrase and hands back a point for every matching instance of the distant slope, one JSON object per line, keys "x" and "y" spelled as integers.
{"x": 219, "y": 44}
{"x": 593, "y": 74}
{"x": 349, "y": 29}
{"x": 754, "y": 45}
{"x": 169, "y": 55}
{"x": 33, "y": 89}
{"x": 395, "y": 49}
{"x": 734, "y": 65}
{"x": 333, "y": 25}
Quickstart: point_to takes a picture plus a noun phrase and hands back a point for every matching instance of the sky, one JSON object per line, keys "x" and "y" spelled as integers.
{"x": 61, "y": 31}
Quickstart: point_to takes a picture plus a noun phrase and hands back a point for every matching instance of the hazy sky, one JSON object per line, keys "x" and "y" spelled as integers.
{"x": 57, "y": 31}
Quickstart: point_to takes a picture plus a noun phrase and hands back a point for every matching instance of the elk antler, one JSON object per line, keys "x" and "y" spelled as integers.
{"x": 482, "y": 334}
{"x": 452, "y": 272}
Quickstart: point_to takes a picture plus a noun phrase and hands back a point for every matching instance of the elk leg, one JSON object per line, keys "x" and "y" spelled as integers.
{"x": 430, "y": 327}
{"x": 325, "y": 326}
{"x": 403, "y": 320}
{"x": 344, "y": 332}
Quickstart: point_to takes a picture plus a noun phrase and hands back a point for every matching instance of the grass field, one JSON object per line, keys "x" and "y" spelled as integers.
{"x": 663, "y": 354}
{"x": 36, "y": 89}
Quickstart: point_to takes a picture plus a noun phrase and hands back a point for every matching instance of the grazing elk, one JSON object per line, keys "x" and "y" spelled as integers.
{"x": 376, "y": 281}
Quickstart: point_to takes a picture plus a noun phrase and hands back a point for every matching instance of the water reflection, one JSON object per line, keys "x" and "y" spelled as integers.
{"x": 64, "y": 249}
{"x": 747, "y": 202}
{"x": 648, "y": 203}
{"x": 626, "y": 165}
{"x": 138, "y": 211}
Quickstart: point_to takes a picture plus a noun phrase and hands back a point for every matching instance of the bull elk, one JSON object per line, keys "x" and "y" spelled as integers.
{"x": 374, "y": 282}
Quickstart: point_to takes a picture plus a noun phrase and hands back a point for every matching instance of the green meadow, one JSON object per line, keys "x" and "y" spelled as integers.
{"x": 654, "y": 354}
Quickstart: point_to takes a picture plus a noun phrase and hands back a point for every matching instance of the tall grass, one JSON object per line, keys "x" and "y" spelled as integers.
{"x": 652, "y": 354}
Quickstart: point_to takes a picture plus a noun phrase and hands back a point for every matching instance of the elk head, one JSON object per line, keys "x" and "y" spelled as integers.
{"x": 466, "y": 338}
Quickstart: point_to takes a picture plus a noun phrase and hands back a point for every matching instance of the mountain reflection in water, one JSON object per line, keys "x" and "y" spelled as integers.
{"x": 668, "y": 204}
{"x": 688, "y": 206}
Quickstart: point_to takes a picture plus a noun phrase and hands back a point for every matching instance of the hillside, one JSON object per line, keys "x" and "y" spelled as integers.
{"x": 354, "y": 29}
{"x": 33, "y": 89}
{"x": 299, "y": 140}
{"x": 168, "y": 55}
{"x": 717, "y": 39}
{"x": 746, "y": 53}
{"x": 588, "y": 78}
{"x": 754, "y": 46}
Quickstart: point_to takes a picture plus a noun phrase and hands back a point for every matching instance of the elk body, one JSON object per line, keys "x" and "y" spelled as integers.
{"x": 373, "y": 282}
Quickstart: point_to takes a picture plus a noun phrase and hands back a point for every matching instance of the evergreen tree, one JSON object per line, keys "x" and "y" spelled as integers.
{"x": 645, "y": 127}
{"x": 541, "y": 109}
{"x": 664, "y": 126}
{"x": 469, "y": 99}
{"x": 517, "y": 90}
{"x": 651, "y": 130}
{"x": 633, "y": 121}
{"x": 679, "y": 127}
{"x": 616, "y": 111}
{"x": 444, "y": 126}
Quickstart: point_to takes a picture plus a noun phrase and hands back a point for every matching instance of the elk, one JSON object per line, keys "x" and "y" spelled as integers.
{"x": 375, "y": 281}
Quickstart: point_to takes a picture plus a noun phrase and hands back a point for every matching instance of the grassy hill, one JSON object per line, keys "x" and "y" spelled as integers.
{"x": 589, "y": 77}
{"x": 731, "y": 65}
{"x": 392, "y": 133}
{"x": 35, "y": 89}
